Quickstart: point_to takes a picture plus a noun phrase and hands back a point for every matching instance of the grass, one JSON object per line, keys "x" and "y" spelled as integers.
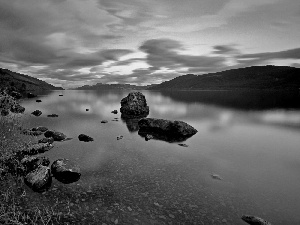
{"x": 13, "y": 206}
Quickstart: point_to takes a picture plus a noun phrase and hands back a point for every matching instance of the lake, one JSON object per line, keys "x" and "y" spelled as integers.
{"x": 250, "y": 140}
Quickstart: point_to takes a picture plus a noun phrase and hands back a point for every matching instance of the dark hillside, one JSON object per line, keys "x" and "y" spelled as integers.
{"x": 23, "y": 82}
{"x": 256, "y": 77}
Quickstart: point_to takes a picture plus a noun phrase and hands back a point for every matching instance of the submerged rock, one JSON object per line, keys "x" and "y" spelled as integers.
{"x": 30, "y": 163}
{"x": 254, "y": 220}
{"x": 183, "y": 145}
{"x": 37, "y": 113}
{"x": 167, "y": 130}
{"x": 120, "y": 137}
{"x": 39, "y": 180}
{"x": 57, "y": 136}
{"x": 114, "y": 111}
{"x": 65, "y": 171}
{"x": 85, "y": 138}
{"x": 131, "y": 123}
{"x": 216, "y": 176}
{"x": 134, "y": 105}
{"x": 52, "y": 115}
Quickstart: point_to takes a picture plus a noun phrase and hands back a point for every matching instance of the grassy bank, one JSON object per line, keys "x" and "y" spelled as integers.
{"x": 13, "y": 202}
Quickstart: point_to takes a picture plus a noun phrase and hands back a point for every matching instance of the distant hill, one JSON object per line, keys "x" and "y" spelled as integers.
{"x": 23, "y": 82}
{"x": 101, "y": 86}
{"x": 255, "y": 77}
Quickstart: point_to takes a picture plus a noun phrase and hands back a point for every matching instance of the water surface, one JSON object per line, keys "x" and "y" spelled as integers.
{"x": 251, "y": 140}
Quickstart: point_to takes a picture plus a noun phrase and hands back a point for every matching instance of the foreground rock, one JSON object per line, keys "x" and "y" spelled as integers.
{"x": 57, "y": 136}
{"x": 39, "y": 180}
{"x": 114, "y": 111}
{"x": 37, "y": 113}
{"x": 254, "y": 220}
{"x": 17, "y": 108}
{"x": 31, "y": 132}
{"x": 49, "y": 140}
{"x": 134, "y": 105}
{"x": 4, "y": 112}
{"x": 31, "y": 163}
{"x": 167, "y": 130}
{"x": 131, "y": 123}
{"x": 65, "y": 171}
{"x": 35, "y": 149}
{"x": 85, "y": 138}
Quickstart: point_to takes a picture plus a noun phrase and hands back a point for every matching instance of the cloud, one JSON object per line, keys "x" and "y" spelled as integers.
{"x": 225, "y": 49}
{"x": 165, "y": 53}
{"x": 265, "y": 57}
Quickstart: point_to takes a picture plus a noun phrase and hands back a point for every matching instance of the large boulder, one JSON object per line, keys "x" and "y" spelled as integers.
{"x": 57, "y": 136}
{"x": 134, "y": 105}
{"x": 39, "y": 180}
{"x": 65, "y": 171}
{"x": 30, "y": 163}
{"x": 167, "y": 130}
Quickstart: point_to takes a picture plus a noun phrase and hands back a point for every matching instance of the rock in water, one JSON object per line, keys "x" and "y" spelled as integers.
{"x": 57, "y": 136}
{"x": 31, "y": 132}
{"x": 65, "y": 171}
{"x": 134, "y": 105}
{"x": 254, "y": 220}
{"x": 39, "y": 180}
{"x": 167, "y": 130}
{"x": 85, "y": 138}
{"x": 37, "y": 113}
{"x": 114, "y": 111}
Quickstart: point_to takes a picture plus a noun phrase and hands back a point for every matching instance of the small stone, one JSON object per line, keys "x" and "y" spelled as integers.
{"x": 104, "y": 121}
{"x": 129, "y": 209}
{"x": 171, "y": 215}
{"x": 183, "y": 145}
{"x": 224, "y": 221}
{"x": 162, "y": 217}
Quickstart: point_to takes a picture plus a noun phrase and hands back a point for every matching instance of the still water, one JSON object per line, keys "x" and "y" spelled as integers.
{"x": 250, "y": 140}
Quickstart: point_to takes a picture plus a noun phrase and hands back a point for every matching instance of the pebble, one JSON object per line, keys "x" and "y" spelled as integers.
{"x": 171, "y": 215}
{"x": 162, "y": 217}
{"x": 224, "y": 221}
{"x": 129, "y": 209}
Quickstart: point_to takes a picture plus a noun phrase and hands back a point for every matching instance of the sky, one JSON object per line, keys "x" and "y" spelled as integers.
{"x": 71, "y": 43}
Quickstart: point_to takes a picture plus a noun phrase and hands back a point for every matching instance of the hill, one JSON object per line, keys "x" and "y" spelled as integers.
{"x": 23, "y": 83}
{"x": 254, "y": 78}
{"x": 101, "y": 86}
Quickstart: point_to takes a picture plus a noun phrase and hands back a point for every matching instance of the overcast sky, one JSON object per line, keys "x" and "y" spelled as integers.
{"x": 76, "y": 42}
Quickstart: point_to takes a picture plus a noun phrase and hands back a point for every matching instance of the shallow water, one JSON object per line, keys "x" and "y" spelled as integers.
{"x": 251, "y": 141}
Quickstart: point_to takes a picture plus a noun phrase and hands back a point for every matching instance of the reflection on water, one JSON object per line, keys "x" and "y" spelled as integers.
{"x": 250, "y": 140}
